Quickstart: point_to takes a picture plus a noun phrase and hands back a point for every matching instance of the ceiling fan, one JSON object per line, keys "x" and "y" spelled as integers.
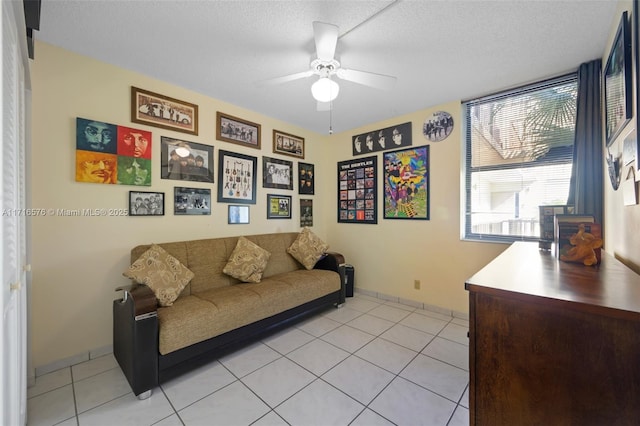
{"x": 326, "y": 66}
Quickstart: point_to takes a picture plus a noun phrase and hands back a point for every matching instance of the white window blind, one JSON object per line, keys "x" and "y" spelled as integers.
{"x": 519, "y": 148}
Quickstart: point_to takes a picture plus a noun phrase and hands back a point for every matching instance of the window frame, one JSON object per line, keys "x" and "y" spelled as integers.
{"x": 466, "y": 210}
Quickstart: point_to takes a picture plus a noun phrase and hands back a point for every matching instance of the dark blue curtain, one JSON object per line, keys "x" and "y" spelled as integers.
{"x": 586, "y": 187}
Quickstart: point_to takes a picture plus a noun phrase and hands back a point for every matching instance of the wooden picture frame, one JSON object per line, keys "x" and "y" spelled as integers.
{"x": 277, "y": 173}
{"x": 306, "y": 212}
{"x": 306, "y": 178}
{"x": 238, "y": 214}
{"x": 191, "y": 201}
{"x": 406, "y": 183}
{"x": 617, "y": 82}
{"x": 288, "y": 144}
{"x": 236, "y": 130}
{"x": 358, "y": 191}
{"x": 236, "y": 178}
{"x": 183, "y": 160}
{"x": 278, "y": 206}
{"x": 145, "y": 203}
{"x": 163, "y": 111}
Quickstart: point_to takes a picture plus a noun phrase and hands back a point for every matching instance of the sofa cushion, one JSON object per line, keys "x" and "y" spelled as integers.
{"x": 308, "y": 248}
{"x": 161, "y": 272}
{"x": 247, "y": 262}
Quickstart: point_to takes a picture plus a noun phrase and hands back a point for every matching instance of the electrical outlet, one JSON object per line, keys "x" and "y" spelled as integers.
{"x": 416, "y": 284}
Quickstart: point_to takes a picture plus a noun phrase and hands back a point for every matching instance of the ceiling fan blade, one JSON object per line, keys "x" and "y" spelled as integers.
{"x": 324, "y": 106}
{"x": 285, "y": 78}
{"x": 326, "y": 37}
{"x": 378, "y": 81}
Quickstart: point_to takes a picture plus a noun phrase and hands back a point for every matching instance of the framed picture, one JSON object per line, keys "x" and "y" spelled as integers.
{"x": 236, "y": 178}
{"x": 617, "y": 82}
{"x": 384, "y": 139}
{"x": 146, "y": 203}
{"x": 162, "y": 111}
{"x": 238, "y": 214}
{"x": 357, "y": 191}
{"x": 406, "y": 183}
{"x": 277, "y": 173}
{"x": 306, "y": 213}
{"x": 278, "y": 206}
{"x": 636, "y": 40}
{"x": 306, "y": 179}
{"x": 191, "y": 201}
{"x": 236, "y": 130}
{"x": 182, "y": 160}
{"x": 287, "y": 144}
{"x": 110, "y": 154}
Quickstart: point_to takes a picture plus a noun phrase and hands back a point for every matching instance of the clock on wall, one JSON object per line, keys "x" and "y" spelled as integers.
{"x": 437, "y": 127}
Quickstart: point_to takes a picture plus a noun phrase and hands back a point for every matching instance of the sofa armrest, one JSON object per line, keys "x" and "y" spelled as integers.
{"x": 135, "y": 338}
{"x": 334, "y": 261}
{"x": 331, "y": 262}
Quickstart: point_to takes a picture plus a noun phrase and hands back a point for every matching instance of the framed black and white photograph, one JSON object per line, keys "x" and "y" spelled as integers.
{"x": 306, "y": 213}
{"x": 191, "y": 201}
{"x": 236, "y": 130}
{"x": 306, "y": 179}
{"x": 142, "y": 203}
{"x": 277, "y": 173}
{"x": 288, "y": 144}
{"x": 617, "y": 82}
{"x": 278, "y": 206}
{"x": 357, "y": 191}
{"x": 183, "y": 160}
{"x": 238, "y": 214}
{"x": 392, "y": 137}
{"x": 158, "y": 110}
{"x": 236, "y": 178}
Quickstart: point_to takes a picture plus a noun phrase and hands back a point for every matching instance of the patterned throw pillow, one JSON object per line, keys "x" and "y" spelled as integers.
{"x": 247, "y": 262}
{"x": 161, "y": 272}
{"x": 308, "y": 248}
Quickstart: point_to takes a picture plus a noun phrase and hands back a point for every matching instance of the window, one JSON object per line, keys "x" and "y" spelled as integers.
{"x": 519, "y": 148}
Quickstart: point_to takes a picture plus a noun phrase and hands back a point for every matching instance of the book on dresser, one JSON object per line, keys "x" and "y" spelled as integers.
{"x": 567, "y": 225}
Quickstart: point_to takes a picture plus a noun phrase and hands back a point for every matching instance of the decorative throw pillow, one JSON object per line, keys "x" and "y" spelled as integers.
{"x": 161, "y": 272}
{"x": 308, "y": 248}
{"x": 247, "y": 262}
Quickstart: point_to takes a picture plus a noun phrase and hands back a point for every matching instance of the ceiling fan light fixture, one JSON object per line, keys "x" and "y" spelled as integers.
{"x": 325, "y": 90}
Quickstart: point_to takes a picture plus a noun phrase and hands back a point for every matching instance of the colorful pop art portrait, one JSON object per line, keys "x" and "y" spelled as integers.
{"x": 406, "y": 183}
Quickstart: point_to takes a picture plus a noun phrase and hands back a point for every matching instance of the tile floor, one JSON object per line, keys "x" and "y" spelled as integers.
{"x": 372, "y": 362}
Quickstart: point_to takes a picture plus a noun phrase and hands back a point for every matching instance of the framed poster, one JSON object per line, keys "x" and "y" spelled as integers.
{"x": 306, "y": 213}
{"x": 143, "y": 203}
{"x": 306, "y": 179}
{"x": 381, "y": 140}
{"x": 236, "y": 178}
{"x": 278, "y": 206}
{"x": 617, "y": 82}
{"x": 238, "y": 214}
{"x": 182, "y": 160}
{"x": 357, "y": 191}
{"x": 277, "y": 173}
{"x": 162, "y": 111}
{"x": 236, "y": 130}
{"x": 191, "y": 201}
{"x": 406, "y": 183}
{"x": 287, "y": 144}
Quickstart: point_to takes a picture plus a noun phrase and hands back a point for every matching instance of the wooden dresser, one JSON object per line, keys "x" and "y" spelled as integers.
{"x": 553, "y": 343}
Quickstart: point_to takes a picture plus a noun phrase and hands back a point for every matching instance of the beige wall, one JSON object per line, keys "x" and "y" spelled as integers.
{"x": 78, "y": 261}
{"x": 622, "y": 223}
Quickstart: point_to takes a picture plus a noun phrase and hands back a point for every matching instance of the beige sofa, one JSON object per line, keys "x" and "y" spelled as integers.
{"x": 216, "y": 312}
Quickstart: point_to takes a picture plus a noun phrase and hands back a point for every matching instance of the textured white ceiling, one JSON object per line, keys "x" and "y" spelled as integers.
{"x": 440, "y": 51}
